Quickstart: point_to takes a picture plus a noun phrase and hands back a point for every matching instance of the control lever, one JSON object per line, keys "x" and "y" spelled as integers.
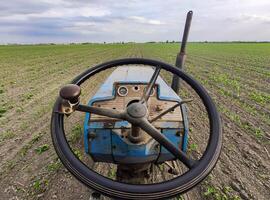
{"x": 70, "y": 95}
{"x": 71, "y": 92}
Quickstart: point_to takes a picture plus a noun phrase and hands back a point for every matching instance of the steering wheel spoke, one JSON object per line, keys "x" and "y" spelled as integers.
{"x": 70, "y": 101}
{"x": 170, "y": 109}
{"x": 159, "y": 137}
{"x": 150, "y": 85}
{"x": 101, "y": 111}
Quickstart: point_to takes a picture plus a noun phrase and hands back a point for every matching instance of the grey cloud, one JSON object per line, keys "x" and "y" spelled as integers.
{"x": 131, "y": 20}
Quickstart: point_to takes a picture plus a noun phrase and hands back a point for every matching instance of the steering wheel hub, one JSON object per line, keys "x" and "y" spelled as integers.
{"x": 137, "y": 110}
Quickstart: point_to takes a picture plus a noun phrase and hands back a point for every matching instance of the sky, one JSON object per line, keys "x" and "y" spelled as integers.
{"x": 66, "y": 21}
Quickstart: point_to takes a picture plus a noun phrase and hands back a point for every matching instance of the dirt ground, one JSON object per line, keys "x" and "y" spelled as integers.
{"x": 236, "y": 76}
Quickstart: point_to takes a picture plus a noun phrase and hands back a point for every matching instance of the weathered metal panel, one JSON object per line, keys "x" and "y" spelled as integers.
{"x": 109, "y": 146}
{"x": 134, "y": 74}
{"x": 175, "y": 138}
{"x": 133, "y": 153}
{"x": 100, "y": 145}
{"x": 186, "y": 127}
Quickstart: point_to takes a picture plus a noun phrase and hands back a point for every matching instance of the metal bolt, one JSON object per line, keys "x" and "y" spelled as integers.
{"x": 178, "y": 133}
{"x": 159, "y": 108}
{"x": 92, "y": 135}
{"x": 67, "y": 110}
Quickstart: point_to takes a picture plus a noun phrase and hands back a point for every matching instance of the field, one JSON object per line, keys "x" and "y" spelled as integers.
{"x": 237, "y": 76}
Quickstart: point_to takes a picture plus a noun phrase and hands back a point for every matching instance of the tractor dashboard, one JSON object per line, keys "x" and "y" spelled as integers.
{"x": 128, "y": 93}
{"x": 109, "y": 139}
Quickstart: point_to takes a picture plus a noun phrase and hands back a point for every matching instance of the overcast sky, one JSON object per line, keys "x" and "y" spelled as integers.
{"x": 61, "y": 21}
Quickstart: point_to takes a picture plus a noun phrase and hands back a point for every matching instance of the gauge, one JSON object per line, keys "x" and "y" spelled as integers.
{"x": 122, "y": 91}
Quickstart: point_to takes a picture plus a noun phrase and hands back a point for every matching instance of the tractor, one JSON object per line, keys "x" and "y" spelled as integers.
{"x": 136, "y": 120}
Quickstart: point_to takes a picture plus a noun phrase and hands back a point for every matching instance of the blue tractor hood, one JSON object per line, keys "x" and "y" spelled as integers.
{"x": 133, "y": 74}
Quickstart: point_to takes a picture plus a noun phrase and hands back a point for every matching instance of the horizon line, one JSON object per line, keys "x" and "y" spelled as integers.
{"x": 126, "y": 42}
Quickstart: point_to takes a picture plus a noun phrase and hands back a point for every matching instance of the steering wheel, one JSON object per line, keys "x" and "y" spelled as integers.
{"x": 136, "y": 114}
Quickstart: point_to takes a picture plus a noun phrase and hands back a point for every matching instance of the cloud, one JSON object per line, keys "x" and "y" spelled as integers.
{"x": 250, "y": 18}
{"x": 132, "y": 20}
{"x": 143, "y": 20}
{"x": 60, "y": 13}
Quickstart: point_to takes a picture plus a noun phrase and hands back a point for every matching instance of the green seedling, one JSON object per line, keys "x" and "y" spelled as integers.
{"x": 112, "y": 173}
{"x": 193, "y": 147}
{"x": 27, "y": 96}
{"x": 28, "y": 146}
{"x": 54, "y": 166}
{"x": 78, "y": 153}
{"x": 39, "y": 186}
{"x": 2, "y": 111}
{"x": 42, "y": 148}
{"x": 260, "y": 97}
{"x": 76, "y": 133}
{"x": 6, "y": 135}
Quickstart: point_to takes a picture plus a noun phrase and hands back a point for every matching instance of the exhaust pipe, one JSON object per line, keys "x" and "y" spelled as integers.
{"x": 180, "y": 59}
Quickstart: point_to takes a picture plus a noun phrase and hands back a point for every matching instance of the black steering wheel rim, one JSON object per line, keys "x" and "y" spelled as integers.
{"x": 161, "y": 190}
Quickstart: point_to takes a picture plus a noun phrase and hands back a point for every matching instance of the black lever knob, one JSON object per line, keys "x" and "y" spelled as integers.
{"x": 71, "y": 92}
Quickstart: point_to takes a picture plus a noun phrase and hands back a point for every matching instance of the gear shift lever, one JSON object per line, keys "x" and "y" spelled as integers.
{"x": 71, "y": 92}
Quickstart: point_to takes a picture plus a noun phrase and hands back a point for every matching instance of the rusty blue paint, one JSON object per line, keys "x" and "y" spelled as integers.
{"x": 133, "y": 75}
{"x": 100, "y": 148}
{"x": 133, "y": 153}
{"x": 175, "y": 139}
{"x": 186, "y": 127}
{"x": 114, "y": 148}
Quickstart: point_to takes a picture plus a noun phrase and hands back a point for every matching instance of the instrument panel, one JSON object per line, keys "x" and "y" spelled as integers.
{"x": 124, "y": 94}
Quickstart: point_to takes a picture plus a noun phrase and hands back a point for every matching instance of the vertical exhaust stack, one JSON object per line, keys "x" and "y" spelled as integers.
{"x": 180, "y": 59}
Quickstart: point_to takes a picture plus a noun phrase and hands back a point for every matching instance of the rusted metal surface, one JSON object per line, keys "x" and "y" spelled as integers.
{"x": 135, "y": 135}
{"x": 181, "y": 56}
{"x": 155, "y": 105}
{"x": 146, "y": 174}
{"x": 171, "y": 109}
